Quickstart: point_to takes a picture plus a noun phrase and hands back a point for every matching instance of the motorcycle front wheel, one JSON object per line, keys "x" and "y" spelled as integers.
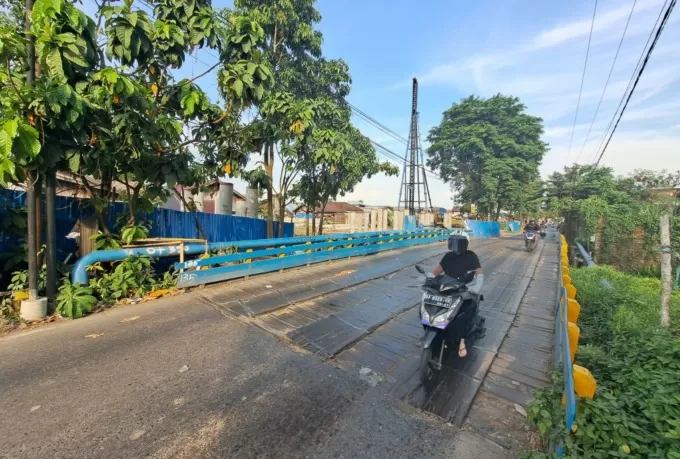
{"x": 425, "y": 369}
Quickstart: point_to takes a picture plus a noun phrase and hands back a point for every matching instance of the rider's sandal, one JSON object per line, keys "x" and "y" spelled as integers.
{"x": 462, "y": 351}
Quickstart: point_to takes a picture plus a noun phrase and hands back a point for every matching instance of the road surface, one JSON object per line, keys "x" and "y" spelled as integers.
{"x": 308, "y": 363}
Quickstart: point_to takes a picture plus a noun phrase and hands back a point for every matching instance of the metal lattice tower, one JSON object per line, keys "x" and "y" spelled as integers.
{"x": 414, "y": 194}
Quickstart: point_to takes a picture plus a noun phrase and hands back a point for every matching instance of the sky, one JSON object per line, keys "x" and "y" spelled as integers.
{"x": 528, "y": 49}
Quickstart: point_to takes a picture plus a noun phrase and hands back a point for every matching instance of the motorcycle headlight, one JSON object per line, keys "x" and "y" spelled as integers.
{"x": 424, "y": 316}
{"x": 445, "y": 318}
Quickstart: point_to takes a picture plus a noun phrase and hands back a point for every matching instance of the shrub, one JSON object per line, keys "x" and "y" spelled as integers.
{"x": 74, "y": 300}
{"x": 131, "y": 278}
{"x": 636, "y": 412}
{"x": 632, "y": 304}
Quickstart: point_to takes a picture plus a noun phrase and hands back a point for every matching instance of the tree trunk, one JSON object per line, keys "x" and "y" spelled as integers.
{"x": 131, "y": 210}
{"x": 313, "y": 222}
{"x": 666, "y": 268}
{"x": 282, "y": 214}
{"x": 199, "y": 227}
{"x": 323, "y": 214}
{"x": 324, "y": 201}
{"x": 269, "y": 170}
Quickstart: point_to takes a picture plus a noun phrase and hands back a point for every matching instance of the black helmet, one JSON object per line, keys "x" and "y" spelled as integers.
{"x": 458, "y": 243}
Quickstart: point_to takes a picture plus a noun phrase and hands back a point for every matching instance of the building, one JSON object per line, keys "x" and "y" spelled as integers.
{"x": 205, "y": 200}
{"x": 72, "y": 185}
{"x": 337, "y": 212}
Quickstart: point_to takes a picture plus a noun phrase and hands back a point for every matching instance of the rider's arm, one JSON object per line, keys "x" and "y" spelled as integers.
{"x": 437, "y": 270}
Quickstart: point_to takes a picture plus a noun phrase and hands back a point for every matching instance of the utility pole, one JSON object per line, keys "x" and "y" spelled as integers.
{"x": 51, "y": 259}
{"x": 34, "y": 308}
{"x": 666, "y": 270}
{"x": 31, "y": 177}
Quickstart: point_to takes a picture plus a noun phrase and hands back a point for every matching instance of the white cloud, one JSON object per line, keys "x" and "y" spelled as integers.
{"x": 611, "y": 20}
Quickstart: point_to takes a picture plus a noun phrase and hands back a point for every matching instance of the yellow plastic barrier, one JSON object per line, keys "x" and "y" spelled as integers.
{"x": 566, "y": 280}
{"x": 574, "y": 335}
{"x": 573, "y": 311}
{"x": 18, "y": 298}
{"x": 584, "y": 382}
{"x": 571, "y": 291}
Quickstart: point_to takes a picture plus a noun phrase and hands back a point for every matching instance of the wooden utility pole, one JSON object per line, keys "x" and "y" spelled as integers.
{"x": 666, "y": 270}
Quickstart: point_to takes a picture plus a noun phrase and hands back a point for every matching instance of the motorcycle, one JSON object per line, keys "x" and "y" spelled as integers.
{"x": 530, "y": 240}
{"x": 442, "y": 320}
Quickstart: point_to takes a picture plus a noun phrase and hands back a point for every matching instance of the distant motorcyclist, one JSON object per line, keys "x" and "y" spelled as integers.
{"x": 459, "y": 263}
{"x": 532, "y": 226}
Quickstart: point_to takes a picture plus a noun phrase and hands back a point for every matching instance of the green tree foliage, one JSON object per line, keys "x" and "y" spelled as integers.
{"x": 307, "y": 86}
{"x": 490, "y": 150}
{"x": 123, "y": 117}
{"x": 613, "y": 207}
{"x": 338, "y": 163}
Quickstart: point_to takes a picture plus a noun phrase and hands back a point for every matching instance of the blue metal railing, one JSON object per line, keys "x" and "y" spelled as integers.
{"x": 79, "y": 273}
{"x": 562, "y": 353}
{"x": 231, "y": 266}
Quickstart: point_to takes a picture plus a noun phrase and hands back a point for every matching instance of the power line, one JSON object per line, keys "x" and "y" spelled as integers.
{"x": 604, "y": 90}
{"x": 583, "y": 78}
{"x": 386, "y": 152}
{"x": 637, "y": 79}
{"x": 630, "y": 82}
{"x": 376, "y": 123}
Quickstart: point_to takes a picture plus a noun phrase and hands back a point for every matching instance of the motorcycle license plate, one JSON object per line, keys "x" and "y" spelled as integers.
{"x": 440, "y": 301}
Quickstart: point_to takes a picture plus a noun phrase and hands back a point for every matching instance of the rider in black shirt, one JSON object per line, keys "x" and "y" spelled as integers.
{"x": 458, "y": 263}
{"x": 532, "y": 226}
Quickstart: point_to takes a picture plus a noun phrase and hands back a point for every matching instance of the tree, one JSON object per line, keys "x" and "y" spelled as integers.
{"x": 339, "y": 161}
{"x": 292, "y": 49}
{"x": 488, "y": 149}
{"x": 124, "y": 117}
{"x": 583, "y": 182}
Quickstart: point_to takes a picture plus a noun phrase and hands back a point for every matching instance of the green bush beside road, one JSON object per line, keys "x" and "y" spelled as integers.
{"x": 636, "y": 411}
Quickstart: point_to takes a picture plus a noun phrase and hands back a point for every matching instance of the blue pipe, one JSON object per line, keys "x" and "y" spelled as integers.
{"x": 586, "y": 257}
{"x": 589, "y": 263}
{"x": 79, "y": 273}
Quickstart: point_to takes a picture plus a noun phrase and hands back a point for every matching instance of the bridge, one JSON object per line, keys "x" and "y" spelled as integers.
{"x": 319, "y": 361}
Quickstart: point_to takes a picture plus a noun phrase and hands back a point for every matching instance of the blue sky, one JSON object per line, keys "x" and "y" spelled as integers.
{"x": 532, "y": 50}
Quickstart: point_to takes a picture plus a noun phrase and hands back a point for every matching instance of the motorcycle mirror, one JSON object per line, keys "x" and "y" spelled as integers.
{"x": 420, "y": 269}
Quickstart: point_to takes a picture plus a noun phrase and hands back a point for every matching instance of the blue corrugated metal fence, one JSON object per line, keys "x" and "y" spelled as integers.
{"x": 513, "y": 227}
{"x": 165, "y": 223}
{"x": 483, "y": 229}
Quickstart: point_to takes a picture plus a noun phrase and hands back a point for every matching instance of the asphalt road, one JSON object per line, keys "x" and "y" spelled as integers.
{"x": 179, "y": 378}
